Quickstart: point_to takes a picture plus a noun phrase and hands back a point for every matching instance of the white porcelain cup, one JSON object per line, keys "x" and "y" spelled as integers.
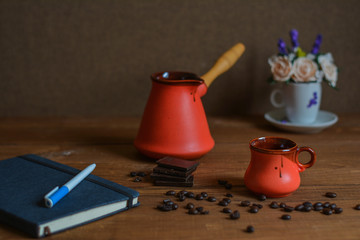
{"x": 300, "y": 100}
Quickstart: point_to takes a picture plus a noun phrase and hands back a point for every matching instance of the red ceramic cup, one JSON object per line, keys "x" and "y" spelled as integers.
{"x": 274, "y": 167}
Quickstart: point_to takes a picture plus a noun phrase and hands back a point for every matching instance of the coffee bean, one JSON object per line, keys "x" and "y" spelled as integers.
{"x": 175, "y": 206}
{"x": 165, "y": 207}
{"x": 170, "y": 193}
{"x": 254, "y": 209}
{"x": 307, "y": 204}
{"x": 200, "y": 209}
{"x": 299, "y": 207}
{"x": 227, "y": 210}
{"x": 228, "y": 200}
{"x": 141, "y": 174}
{"x": 205, "y": 212}
{"x": 193, "y": 211}
{"x": 229, "y": 195}
{"x": 133, "y": 174}
{"x": 318, "y": 204}
{"x": 182, "y": 198}
{"x": 262, "y": 197}
{"x": 258, "y": 205}
{"x": 204, "y": 194}
{"x": 190, "y": 206}
{"x": 327, "y": 211}
{"x": 222, "y": 182}
{"x": 332, "y": 205}
{"x": 190, "y": 195}
{"x": 357, "y": 207}
{"x": 235, "y": 215}
{"x": 282, "y": 205}
{"x": 326, "y": 205}
{"x": 228, "y": 186}
{"x": 330, "y": 195}
{"x": 307, "y": 209}
{"x": 223, "y": 203}
{"x": 211, "y": 199}
{"x": 166, "y": 200}
{"x": 286, "y": 217}
{"x": 183, "y": 192}
{"x": 288, "y": 209}
{"x": 338, "y": 210}
{"x": 199, "y": 197}
{"x": 250, "y": 229}
{"x": 318, "y": 208}
{"x": 274, "y": 205}
{"x": 245, "y": 203}
{"x": 137, "y": 179}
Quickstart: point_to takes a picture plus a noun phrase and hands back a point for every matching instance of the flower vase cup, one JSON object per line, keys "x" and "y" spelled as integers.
{"x": 274, "y": 167}
{"x": 301, "y": 101}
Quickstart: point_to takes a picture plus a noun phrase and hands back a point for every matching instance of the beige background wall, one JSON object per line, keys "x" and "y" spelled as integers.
{"x": 70, "y": 57}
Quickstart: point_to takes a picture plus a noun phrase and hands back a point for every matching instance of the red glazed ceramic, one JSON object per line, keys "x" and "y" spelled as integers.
{"x": 174, "y": 121}
{"x": 274, "y": 167}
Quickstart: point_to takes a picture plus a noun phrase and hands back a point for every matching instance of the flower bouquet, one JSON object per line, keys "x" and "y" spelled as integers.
{"x": 296, "y": 66}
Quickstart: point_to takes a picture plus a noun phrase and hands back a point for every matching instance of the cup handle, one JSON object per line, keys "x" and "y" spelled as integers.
{"x": 273, "y": 99}
{"x": 302, "y": 167}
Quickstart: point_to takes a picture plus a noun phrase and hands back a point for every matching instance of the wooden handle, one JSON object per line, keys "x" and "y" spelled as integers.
{"x": 224, "y": 63}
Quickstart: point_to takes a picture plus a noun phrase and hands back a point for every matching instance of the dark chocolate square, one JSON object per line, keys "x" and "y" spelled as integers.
{"x": 177, "y": 163}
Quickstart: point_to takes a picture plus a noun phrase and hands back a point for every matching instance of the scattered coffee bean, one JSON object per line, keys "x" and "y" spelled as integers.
{"x": 183, "y": 192}
{"x": 205, "y": 212}
{"x": 282, "y": 205}
{"x": 227, "y": 210}
{"x": 288, "y": 209}
{"x": 326, "y": 205}
{"x": 245, "y": 203}
{"x": 165, "y": 207}
{"x": 254, "y": 209}
{"x": 190, "y": 206}
{"x": 330, "y": 195}
{"x": 235, "y": 215}
{"x": 308, "y": 204}
{"x": 200, "y": 209}
{"x": 357, "y": 207}
{"x": 333, "y": 205}
{"x": 327, "y": 211}
{"x": 133, "y": 174}
{"x": 228, "y": 200}
{"x": 318, "y": 204}
{"x": 190, "y": 195}
{"x": 274, "y": 205}
{"x": 228, "y": 186}
{"x": 262, "y": 197}
{"x": 299, "y": 207}
{"x": 170, "y": 193}
{"x": 182, "y": 198}
{"x": 229, "y": 195}
{"x": 166, "y": 200}
{"x": 137, "y": 179}
{"x": 258, "y": 205}
{"x": 223, "y": 203}
{"x": 307, "y": 209}
{"x": 211, "y": 199}
{"x": 250, "y": 229}
{"x": 199, "y": 197}
{"x": 338, "y": 210}
{"x": 193, "y": 211}
{"x": 175, "y": 206}
{"x": 286, "y": 217}
{"x": 222, "y": 182}
{"x": 204, "y": 194}
{"x": 141, "y": 174}
{"x": 318, "y": 208}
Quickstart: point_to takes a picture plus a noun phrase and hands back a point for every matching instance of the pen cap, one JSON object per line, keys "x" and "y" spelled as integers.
{"x": 54, "y": 198}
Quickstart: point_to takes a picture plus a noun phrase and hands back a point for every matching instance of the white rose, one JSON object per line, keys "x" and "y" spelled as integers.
{"x": 281, "y": 68}
{"x": 329, "y": 69}
{"x": 304, "y": 70}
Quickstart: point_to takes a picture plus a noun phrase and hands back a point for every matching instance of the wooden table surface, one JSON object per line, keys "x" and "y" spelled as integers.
{"x": 108, "y": 142}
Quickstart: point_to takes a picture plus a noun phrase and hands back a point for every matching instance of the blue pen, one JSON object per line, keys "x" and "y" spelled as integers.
{"x": 57, "y": 193}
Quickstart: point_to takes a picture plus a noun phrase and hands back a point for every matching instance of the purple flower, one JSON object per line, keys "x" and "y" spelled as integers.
{"x": 282, "y": 47}
{"x": 294, "y": 38}
{"x": 317, "y": 43}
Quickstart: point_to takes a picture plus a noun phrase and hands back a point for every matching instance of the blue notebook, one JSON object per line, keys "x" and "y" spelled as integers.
{"x": 24, "y": 181}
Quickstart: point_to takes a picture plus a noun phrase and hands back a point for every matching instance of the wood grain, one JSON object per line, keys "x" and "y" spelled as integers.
{"x": 108, "y": 142}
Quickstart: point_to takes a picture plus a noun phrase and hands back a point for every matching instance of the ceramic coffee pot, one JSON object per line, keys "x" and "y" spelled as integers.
{"x": 174, "y": 121}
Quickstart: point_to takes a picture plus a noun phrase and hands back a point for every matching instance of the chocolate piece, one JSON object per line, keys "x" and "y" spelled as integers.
{"x": 173, "y": 172}
{"x": 177, "y": 163}
{"x": 162, "y": 177}
{"x": 174, "y": 184}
